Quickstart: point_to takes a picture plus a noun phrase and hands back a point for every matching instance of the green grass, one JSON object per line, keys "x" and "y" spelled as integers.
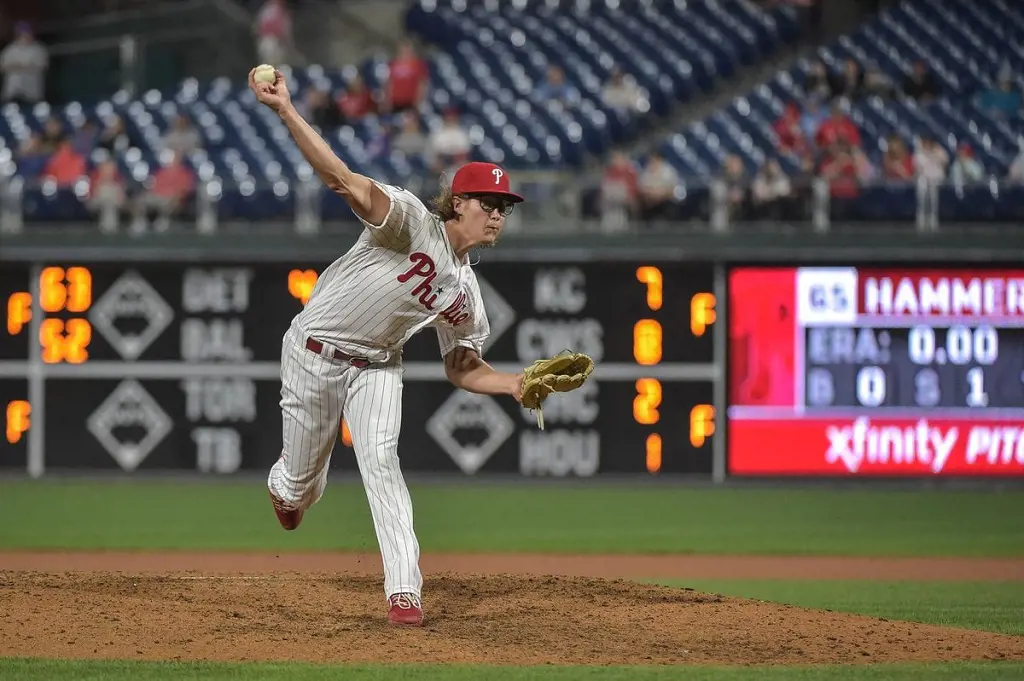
{"x": 475, "y": 516}
{"x": 989, "y": 606}
{"x": 46, "y": 670}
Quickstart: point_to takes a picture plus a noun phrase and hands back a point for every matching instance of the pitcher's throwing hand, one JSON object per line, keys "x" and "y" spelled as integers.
{"x": 275, "y": 95}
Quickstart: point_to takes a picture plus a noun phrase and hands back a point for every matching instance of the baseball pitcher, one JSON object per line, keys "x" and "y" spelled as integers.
{"x": 342, "y": 355}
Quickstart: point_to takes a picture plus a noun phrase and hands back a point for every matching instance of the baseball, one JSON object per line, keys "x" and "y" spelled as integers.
{"x": 264, "y": 74}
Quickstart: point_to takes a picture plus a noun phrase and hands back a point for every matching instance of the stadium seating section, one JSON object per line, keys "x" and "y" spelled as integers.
{"x": 676, "y": 51}
{"x": 965, "y": 42}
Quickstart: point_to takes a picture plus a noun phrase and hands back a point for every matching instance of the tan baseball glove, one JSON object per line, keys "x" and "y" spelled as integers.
{"x": 564, "y": 372}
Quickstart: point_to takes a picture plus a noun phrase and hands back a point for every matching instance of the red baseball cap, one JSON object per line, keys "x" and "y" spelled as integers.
{"x": 478, "y": 177}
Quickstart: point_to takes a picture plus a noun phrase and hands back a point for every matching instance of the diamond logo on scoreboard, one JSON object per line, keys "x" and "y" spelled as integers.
{"x": 129, "y": 424}
{"x": 131, "y": 315}
{"x": 500, "y": 315}
{"x": 470, "y": 428}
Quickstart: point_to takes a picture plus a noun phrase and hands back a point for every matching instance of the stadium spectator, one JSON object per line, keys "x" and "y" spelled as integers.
{"x": 410, "y": 139}
{"x": 814, "y": 115}
{"x": 789, "y": 131}
{"x": 771, "y": 192}
{"x": 107, "y": 196}
{"x": 734, "y": 174}
{"x": 966, "y": 168}
{"x": 556, "y": 89}
{"x": 168, "y": 193}
{"x": 920, "y": 84}
{"x": 837, "y": 126}
{"x": 65, "y": 166}
{"x": 449, "y": 144}
{"x": 1004, "y": 99}
{"x": 866, "y": 171}
{"x": 24, "y": 63}
{"x": 408, "y": 79}
{"x": 657, "y": 186}
{"x": 839, "y": 168}
{"x": 620, "y": 192}
{"x": 114, "y": 137}
{"x": 1015, "y": 175}
{"x": 85, "y": 137}
{"x": 621, "y": 93}
{"x": 897, "y": 163}
{"x": 53, "y": 134}
{"x": 357, "y": 101}
{"x": 877, "y": 84}
{"x": 802, "y": 185}
{"x": 273, "y": 31}
{"x": 850, "y": 82}
{"x": 378, "y": 143}
{"x": 32, "y": 157}
{"x": 182, "y": 138}
{"x": 930, "y": 160}
{"x": 318, "y": 108}
{"x": 817, "y": 84}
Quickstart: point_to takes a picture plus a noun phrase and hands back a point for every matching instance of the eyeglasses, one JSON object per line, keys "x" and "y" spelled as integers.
{"x": 489, "y": 204}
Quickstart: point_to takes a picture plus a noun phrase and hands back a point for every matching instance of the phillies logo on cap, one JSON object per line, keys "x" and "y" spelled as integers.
{"x": 483, "y": 178}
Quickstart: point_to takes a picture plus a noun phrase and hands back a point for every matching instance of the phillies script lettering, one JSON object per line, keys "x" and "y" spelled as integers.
{"x": 424, "y": 268}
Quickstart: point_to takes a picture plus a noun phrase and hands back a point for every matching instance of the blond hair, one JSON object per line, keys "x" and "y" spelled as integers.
{"x": 443, "y": 202}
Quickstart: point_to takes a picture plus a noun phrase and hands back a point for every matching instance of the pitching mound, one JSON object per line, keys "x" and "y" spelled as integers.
{"x": 501, "y": 619}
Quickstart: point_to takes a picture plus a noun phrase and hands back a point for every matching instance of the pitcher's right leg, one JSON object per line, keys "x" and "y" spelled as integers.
{"x": 312, "y": 398}
{"x": 374, "y": 413}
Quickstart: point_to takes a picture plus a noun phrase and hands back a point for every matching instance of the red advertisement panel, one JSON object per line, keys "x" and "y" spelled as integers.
{"x": 866, "y": 446}
{"x": 762, "y": 325}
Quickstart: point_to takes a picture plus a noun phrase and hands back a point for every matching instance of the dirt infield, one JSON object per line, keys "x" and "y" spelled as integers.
{"x": 479, "y": 608}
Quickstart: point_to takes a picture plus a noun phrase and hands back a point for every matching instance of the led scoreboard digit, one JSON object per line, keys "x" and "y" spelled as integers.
{"x": 868, "y": 371}
{"x": 172, "y": 365}
{"x": 15, "y": 407}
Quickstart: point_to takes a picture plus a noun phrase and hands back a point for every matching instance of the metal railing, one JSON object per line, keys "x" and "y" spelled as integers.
{"x": 553, "y": 207}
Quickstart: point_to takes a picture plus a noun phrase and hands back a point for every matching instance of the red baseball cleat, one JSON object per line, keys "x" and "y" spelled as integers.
{"x": 405, "y": 610}
{"x": 288, "y": 517}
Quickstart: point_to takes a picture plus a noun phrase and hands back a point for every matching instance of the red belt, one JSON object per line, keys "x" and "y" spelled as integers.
{"x": 313, "y": 345}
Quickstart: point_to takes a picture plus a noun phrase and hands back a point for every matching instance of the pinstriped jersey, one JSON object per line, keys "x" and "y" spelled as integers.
{"x": 399, "y": 277}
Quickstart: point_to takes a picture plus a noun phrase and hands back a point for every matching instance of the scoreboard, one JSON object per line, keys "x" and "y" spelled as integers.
{"x": 176, "y": 366}
{"x": 872, "y": 371}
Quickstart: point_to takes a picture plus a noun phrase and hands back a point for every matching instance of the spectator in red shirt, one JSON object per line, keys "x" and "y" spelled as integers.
{"x": 169, "y": 191}
{"x": 106, "y": 194}
{"x": 273, "y": 30}
{"x": 357, "y": 101}
{"x": 788, "y": 130}
{"x": 620, "y": 192}
{"x": 837, "y": 127}
{"x": 839, "y": 168}
{"x": 897, "y": 163}
{"x": 407, "y": 79}
{"x": 66, "y": 166}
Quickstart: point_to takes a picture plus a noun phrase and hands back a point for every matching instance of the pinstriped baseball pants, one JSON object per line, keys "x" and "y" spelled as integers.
{"x": 315, "y": 393}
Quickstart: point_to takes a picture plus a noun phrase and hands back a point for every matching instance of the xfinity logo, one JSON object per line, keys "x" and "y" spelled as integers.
{"x": 863, "y": 442}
